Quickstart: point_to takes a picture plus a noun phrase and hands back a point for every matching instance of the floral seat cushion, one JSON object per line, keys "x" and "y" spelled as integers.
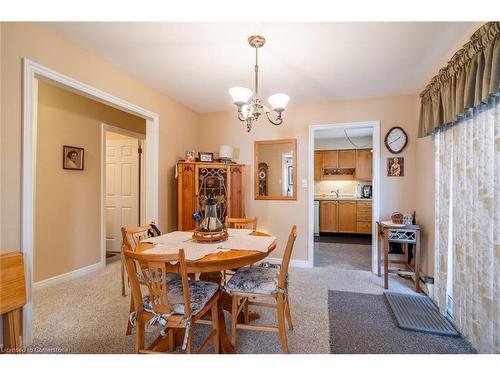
{"x": 258, "y": 280}
{"x": 200, "y": 292}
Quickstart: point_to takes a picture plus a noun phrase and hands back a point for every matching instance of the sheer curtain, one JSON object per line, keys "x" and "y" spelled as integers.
{"x": 468, "y": 225}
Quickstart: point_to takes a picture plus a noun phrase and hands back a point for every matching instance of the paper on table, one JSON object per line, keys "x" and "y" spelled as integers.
{"x": 192, "y": 250}
{"x": 239, "y": 232}
{"x": 257, "y": 243}
{"x": 172, "y": 237}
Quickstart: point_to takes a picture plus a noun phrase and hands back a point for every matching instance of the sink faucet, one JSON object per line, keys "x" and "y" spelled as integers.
{"x": 336, "y": 192}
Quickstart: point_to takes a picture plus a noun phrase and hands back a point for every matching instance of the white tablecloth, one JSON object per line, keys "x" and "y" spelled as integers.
{"x": 239, "y": 239}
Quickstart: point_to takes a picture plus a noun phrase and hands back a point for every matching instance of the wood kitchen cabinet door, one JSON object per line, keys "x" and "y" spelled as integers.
{"x": 347, "y": 159}
{"x": 364, "y": 165}
{"x": 330, "y": 159}
{"x": 318, "y": 164}
{"x": 347, "y": 216}
{"x": 328, "y": 216}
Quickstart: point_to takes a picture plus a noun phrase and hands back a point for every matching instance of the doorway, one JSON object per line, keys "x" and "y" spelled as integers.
{"x": 344, "y": 195}
{"x": 123, "y": 191}
{"x": 31, "y": 72}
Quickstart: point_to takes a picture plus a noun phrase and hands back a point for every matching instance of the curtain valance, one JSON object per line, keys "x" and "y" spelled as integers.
{"x": 471, "y": 77}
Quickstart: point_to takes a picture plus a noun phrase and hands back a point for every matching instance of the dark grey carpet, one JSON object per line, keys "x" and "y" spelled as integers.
{"x": 419, "y": 313}
{"x": 363, "y": 324}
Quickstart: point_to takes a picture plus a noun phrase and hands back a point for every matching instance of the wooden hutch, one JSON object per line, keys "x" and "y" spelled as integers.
{"x": 195, "y": 180}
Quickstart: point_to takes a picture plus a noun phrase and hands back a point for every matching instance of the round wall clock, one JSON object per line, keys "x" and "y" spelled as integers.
{"x": 396, "y": 140}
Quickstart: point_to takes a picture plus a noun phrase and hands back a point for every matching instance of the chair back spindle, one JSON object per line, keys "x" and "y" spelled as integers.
{"x": 286, "y": 257}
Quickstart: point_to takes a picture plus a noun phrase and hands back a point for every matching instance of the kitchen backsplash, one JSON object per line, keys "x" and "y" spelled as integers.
{"x": 325, "y": 187}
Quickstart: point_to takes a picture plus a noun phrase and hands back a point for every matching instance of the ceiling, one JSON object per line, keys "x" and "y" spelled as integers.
{"x": 339, "y": 133}
{"x": 196, "y": 63}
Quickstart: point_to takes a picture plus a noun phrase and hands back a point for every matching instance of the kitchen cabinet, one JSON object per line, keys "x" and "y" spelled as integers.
{"x": 347, "y": 159}
{"x": 364, "y": 217}
{"x": 328, "y": 216}
{"x": 364, "y": 164}
{"x": 343, "y": 165}
{"x": 347, "y": 216}
{"x": 330, "y": 159}
{"x": 196, "y": 181}
{"x": 318, "y": 164}
{"x": 338, "y": 165}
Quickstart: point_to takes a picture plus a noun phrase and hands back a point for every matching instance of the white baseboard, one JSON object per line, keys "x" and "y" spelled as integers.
{"x": 293, "y": 262}
{"x": 68, "y": 276}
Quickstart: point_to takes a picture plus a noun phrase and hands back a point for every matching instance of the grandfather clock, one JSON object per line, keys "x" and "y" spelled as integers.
{"x": 263, "y": 167}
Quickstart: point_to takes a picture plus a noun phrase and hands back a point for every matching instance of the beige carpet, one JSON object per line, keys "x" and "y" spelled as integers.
{"x": 89, "y": 315}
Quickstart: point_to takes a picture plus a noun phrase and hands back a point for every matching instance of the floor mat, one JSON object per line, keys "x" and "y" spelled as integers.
{"x": 364, "y": 323}
{"x": 418, "y": 313}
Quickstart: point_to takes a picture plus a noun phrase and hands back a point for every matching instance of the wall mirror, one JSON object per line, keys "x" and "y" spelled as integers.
{"x": 275, "y": 165}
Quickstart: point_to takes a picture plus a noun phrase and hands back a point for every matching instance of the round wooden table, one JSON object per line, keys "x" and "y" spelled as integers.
{"x": 210, "y": 268}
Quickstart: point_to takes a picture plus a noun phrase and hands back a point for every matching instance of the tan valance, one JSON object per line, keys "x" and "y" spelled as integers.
{"x": 471, "y": 77}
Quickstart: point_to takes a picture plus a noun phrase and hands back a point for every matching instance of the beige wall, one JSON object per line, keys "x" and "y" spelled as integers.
{"x": 398, "y": 193}
{"x": 425, "y": 199}
{"x": 178, "y": 124}
{"x": 67, "y": 210}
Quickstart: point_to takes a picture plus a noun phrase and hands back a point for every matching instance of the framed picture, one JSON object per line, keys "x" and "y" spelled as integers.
{"x": 190, "y": 156}
{"x": 395, "y": 167}
{"x": 73, "y": 158}
{"x": 206, "y": 156}
{"x": 290, "y": 175}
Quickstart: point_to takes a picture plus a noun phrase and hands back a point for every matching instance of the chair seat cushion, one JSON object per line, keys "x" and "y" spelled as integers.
{"x": 258, "y": 280}
{"x": 200, "y": 292}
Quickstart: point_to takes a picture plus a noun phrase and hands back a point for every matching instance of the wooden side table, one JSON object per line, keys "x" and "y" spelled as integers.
{"x": 12, "y": 298}
{"x": 399, "y": 233}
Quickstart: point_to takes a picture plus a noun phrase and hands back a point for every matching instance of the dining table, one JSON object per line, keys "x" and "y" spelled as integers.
{"x": 211, "y": 267}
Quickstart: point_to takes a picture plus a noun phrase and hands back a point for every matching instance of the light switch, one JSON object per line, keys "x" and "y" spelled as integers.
{"x": 304, "y": 183}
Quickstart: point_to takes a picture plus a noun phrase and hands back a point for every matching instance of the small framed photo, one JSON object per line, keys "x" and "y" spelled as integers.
{"x": 206, "y": 156}
{"x": 73, "y": 158}
{"x": 395, "y": 167}
{"x": 190, "y": 156}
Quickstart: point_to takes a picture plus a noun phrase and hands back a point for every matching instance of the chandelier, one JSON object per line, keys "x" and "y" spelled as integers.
{"x": 250, "y": 107}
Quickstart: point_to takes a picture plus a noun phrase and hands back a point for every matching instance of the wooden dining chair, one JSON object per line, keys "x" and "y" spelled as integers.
{"x": 241, "y": 222}
{"x": 238, "y": 223}
{"x": 131, "y": 237}
{"x": 170, "y": 305}
{"x": 251, "y": 283}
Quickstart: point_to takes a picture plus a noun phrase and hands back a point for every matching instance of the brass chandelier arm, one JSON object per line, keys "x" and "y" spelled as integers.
{"x": 240, "y": 116}
{"x": 278, "y": 121}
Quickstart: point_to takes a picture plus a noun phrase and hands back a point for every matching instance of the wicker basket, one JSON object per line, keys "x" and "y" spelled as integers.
{"x": 397, "y": 217}
{"x": 210, "y": 236}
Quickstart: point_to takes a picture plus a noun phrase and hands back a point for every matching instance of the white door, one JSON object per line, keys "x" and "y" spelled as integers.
{"x": 121, "y": 206}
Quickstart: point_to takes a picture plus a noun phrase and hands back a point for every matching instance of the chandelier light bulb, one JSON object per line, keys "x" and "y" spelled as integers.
{"x": 278, "y": 102}
{"x": 240, "y": 95}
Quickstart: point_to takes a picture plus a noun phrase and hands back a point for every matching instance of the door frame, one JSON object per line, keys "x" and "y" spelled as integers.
{"x": 142, "y": 197}
{"x": 31, "y": 72}
{"x": 375, "y": 124}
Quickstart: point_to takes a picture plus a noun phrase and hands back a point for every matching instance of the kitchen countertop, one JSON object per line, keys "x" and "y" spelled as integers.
{"x": 334, "y": 198}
